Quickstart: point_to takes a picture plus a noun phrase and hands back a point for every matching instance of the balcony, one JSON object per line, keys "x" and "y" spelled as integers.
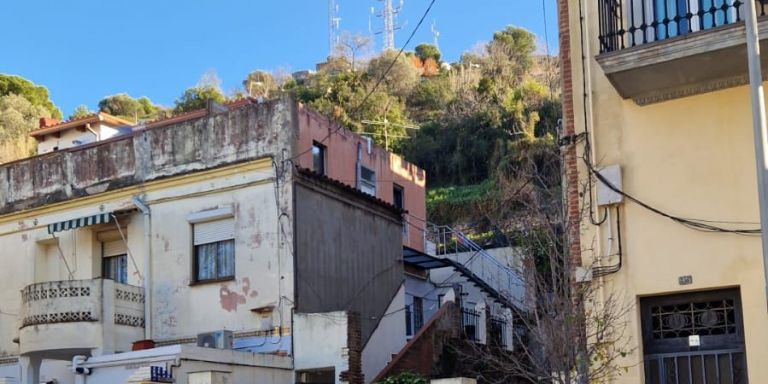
{"x": 657, "y": 50}
{"x": 63, "y": 318}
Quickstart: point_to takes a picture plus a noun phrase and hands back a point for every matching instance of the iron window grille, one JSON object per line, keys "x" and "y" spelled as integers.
{"x": 469, "y": 324}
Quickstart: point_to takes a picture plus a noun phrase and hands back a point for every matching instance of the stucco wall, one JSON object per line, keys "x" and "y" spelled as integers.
{"x": 321, "y": 342}
{"x": 217, "y": 160}
{"x": 387, "y": 339}
{"x": 691, "y": 157}
{"x": 347, "y": 253}
{"x": 341, "y": 160}
{"x": 242, "y": 134}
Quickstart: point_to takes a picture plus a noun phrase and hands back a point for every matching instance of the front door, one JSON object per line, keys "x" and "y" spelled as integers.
{"x": 694, "y": 338}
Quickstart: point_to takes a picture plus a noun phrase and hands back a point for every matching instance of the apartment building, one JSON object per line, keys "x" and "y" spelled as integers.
{"x": 233, "y": 227}
{"x": 661, "y": 182}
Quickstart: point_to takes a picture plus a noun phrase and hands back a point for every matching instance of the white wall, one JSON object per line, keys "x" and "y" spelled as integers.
{"x": 180, "y": 310}
{"x": 388, "y": 338}
{"x": 427, "y": 290}
{"x": 49, "y": 370}
{"x": 320, "y": 341}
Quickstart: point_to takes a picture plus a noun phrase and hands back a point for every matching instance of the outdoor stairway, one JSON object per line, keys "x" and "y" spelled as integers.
{"x": 480, "y": 268}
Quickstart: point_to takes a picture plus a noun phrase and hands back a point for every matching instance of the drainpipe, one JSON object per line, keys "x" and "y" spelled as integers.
{"x": 144, "y": 208}
{"x": 88, "y": 127}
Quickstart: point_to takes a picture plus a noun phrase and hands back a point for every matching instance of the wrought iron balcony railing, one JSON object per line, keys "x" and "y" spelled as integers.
{"x": 629, "y": 23}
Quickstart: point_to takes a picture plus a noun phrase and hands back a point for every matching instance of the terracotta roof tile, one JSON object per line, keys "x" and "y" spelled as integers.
{"x": 314, "y": 175}
{"x": 79, "y": 122}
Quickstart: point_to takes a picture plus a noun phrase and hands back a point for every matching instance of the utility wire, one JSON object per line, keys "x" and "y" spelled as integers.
{"x": 375, "y": 86}
{"x": 546, "y": 34}
{"x": 696, "y": 224}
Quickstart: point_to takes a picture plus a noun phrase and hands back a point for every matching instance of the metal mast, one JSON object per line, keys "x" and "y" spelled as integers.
{"x": 389, "y": 13}
{"x": 389, "y": 26}
{"x": 759, "y": 126}
{"x": 333, "y": 26}
{"x": 435, "y": 34}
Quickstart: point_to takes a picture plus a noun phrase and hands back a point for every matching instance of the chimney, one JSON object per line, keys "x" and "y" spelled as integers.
{"x": 48, "y": 121}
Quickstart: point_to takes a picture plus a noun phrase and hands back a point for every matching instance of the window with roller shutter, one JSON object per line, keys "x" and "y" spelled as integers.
{"x": 114, "y": 263}
{"x": 214, "y": 245}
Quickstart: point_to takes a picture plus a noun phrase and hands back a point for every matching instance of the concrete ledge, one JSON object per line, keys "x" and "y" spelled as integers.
{"x": 696, "y": 63}
{"x": 191, "y": 352}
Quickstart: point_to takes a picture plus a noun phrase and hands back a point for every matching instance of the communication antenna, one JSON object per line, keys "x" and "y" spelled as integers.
{"x": 333, "y": 26}
{"x": 389, "y": 13}
{"x": 435, "y": 34}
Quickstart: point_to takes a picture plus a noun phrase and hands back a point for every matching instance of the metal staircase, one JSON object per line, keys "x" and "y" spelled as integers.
{"x": 502, "y": 282}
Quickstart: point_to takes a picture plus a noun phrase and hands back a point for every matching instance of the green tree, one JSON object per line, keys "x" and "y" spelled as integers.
{"x": 402, "y": 75}
{"x": 259, "y": 84}
{"x": 197, "y": 98}
{"x": 510, "y": 58}
{"x": 430, "y": 97}
{"x": 125, "y": 106}
{"x": 18, "y": 116}
{"x": 35, "y": 94}
{"x": 425, "y": 51}
{"x": 80, "y": 111}
{"x": 404, "y": 378}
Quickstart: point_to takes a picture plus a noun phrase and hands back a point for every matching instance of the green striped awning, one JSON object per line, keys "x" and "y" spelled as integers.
{"x": 101, "y": 218}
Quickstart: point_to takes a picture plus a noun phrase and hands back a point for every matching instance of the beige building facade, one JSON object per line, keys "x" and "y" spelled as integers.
{"x": 660, "y": 99}
{"x": 194, "y": 228}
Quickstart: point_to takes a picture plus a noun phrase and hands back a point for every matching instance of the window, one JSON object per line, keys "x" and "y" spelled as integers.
{"x": 418, "y": 313}
{"x": 367, "y": 181}
{"x": 316, "y": 376}
{"x": 398, "y": 200}
{"x": 695, "y": 337}
{"x": 408, "y": 323}
{"x": 114, "y": 263}
{"x": 318, "y": 158}
{"x": 414, "y": 316}
{"x": 214, "y": 243}
{"x": 398, "y": 196}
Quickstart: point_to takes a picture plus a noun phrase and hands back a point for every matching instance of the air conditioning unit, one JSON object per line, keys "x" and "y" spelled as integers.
{"x": 218, "y": 339}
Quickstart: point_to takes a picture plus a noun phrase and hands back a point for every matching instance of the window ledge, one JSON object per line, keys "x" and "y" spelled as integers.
{"x": 211, "y": 281}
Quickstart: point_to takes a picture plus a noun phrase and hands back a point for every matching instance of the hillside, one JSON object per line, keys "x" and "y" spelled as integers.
{"x": 471, "y": 124}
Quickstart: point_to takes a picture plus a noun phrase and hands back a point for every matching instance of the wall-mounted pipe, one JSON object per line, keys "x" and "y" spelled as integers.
{"x": 144, "y": 208}
{"x": 76, "y": 368}
{"x": 88, "y": 127}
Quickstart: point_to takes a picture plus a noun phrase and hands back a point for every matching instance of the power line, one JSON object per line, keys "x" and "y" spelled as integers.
{"x": 546, "y": 29}
{"x": 376, "y": 85}
{"x": 696, "y": 224}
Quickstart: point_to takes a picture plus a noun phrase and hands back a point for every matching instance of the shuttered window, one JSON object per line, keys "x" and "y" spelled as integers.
{"x": 214, "y": 231}
{"x": 115, "y": 261}
{"x": 113, "y": 248}
{"x": 214, "y": 249}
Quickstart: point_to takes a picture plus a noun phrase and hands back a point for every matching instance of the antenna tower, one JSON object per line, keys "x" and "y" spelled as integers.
{"x": 388, "y": 13}
{"x": 333, "y": 26}
{"x": 435, "y": 34}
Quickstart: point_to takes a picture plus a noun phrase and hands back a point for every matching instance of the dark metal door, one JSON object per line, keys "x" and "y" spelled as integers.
{"x": 673, "y": 325}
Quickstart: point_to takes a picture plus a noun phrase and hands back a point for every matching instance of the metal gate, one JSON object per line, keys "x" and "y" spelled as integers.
{"x": 694, "y": 338}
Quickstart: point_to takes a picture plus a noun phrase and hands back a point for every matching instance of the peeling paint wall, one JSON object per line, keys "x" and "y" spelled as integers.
{"x": 242, "y": 134}
{"x": 223, "y": 159}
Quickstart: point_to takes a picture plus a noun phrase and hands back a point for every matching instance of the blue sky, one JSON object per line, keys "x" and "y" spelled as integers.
{"x": 83, "y": 50}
